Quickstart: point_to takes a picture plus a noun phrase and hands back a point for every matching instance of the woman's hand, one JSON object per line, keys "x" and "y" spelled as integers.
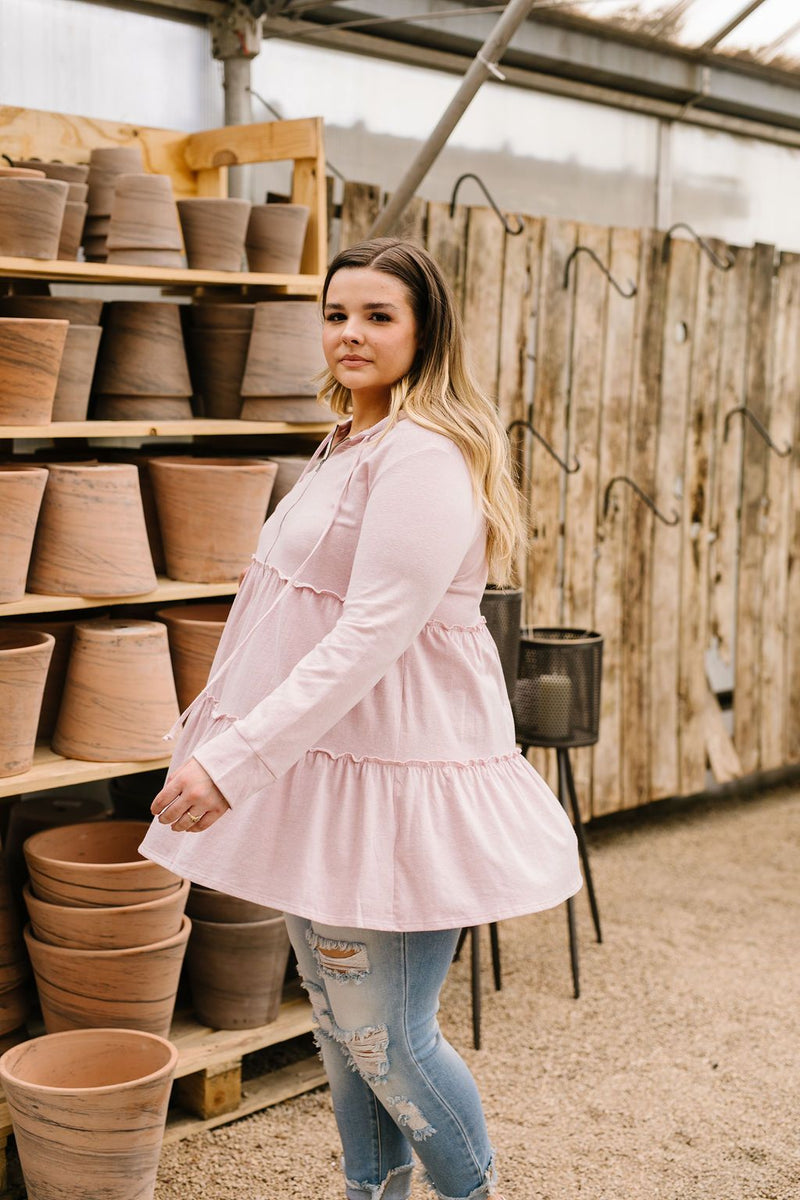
{"x": 189, "y": 802}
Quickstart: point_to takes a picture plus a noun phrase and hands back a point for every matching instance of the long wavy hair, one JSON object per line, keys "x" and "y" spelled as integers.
{"x": 440, "y": 393}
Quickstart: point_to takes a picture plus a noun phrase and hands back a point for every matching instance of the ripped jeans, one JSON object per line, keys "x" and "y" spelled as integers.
{"x": 395, "y": 1082}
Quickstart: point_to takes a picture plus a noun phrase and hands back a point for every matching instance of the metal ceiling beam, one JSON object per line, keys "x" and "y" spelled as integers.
{"x": 722, "y": 33}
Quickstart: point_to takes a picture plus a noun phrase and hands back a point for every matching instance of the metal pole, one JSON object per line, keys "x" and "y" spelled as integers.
{"x": 483, "y": 65}
{"x": 238, "y": 111}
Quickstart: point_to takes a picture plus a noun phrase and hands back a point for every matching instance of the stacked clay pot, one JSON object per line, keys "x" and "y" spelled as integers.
{"x": 236, "y": 960}
{"x": 276, "y": 234}
{"x": 214, "y": 228}
{"x": 217, "y": 342}
{"x": 119, "y": 697}
{"x": 21, "y": 493}
{"x": 75, "y": 176}
{"x": 107, "y": 934}
{"x": 88, "y": 1109}
{"x": 24, "y": 659}
{"x": 105, "y": 164}
{"x": 210, "y": 511}
{"x": 30, "y": 361}
{"x": 283, "y": 358}
{"x": 76, "y": 369}
{"x": 142, "y": 372}
{"x": 32, "y": 211}
{"x": 14, "y": 970}
{"x": 143, "y": 228}
{"x": 32, "y": 815}
{"x": 194, "y": 631}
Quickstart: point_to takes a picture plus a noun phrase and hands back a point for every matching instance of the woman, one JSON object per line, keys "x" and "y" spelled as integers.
{"x": 356, "y": 724}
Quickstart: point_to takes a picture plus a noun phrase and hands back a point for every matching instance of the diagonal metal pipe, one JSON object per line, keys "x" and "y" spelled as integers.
{"x": 483, "y": 65}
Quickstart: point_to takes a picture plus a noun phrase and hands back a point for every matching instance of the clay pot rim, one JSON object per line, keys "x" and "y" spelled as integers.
{"x": 21, "y": 469}
{"x": 59, "y": 187}
{"x": 47, "y": 834}
{"x": 131, "y": 951}
{"x": 275, "y": 204}
{"x": 35, "y": 320}
{"x": 94, "y": 466}
{"x": 182, "y": 612}
{"x": 33, "y": 639}
{"x": 11, "y": 1058}
{"x": 214, "y": 201}
{"x": 106, "y": 910}
{"x": 191, "y": 461}
{"x": 236, "y": 925}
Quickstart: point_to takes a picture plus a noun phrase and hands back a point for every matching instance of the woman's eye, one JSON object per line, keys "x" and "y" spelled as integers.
{"x": 334, "y": 317}
{"x": 381, "y": 317}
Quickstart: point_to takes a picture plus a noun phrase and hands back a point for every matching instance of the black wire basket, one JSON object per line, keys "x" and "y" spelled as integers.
{"x": 502, "y": 608}
{"x": 557, "y": 698}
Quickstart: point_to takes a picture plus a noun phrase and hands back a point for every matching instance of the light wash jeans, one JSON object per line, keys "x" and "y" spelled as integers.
{"x": 395, "y": 1081}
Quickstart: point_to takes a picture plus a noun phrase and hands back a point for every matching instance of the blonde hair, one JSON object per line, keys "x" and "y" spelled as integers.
{"x": 439, "y": 392}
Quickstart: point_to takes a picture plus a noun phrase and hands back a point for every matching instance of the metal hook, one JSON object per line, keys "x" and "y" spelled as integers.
{"x": 527, "y": 425}
{"x": 482, "y": 186}
{"x": 723, "y": 265}
{"x": 588, "y": 250}
{"x": 754, "y": 421}
{"x": 10, "y": 161}
{"x": 647, "y": 499}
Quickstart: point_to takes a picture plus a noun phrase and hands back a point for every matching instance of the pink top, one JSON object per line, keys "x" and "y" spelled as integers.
{"x": 356, "y": 717}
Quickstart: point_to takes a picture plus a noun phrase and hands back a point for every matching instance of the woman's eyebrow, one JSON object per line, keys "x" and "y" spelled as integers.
{"x": 375, "y": 304}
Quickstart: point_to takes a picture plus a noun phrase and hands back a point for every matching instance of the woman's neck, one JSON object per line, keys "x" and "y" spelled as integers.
{"x": 366, "y": 414}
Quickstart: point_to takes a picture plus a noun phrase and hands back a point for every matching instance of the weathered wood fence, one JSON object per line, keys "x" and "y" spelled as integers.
{"x": 650, "y": 387}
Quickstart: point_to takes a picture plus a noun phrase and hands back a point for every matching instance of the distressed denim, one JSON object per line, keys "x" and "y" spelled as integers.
{"x": 396, "y": 1083}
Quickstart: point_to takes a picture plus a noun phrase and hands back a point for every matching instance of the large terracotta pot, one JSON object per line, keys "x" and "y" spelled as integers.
{"x": 142, "y": 351}
{"x": 89, "y": 1109}
{"x": 24, "y": 659}
{"x": 205, "y": 904}
{"x": 213, "y": 231}
{"x": 285, "y": 350}
{"x": 119, "y": 989}
{"x": 275, "y": 237}
{"x": 30, "y": 359}
{"x": 31, "y": 216}
{"x": 32, "y": 816}
{"x": 121, "y": 927}
{"x": 236, "y": 972}
{"x": 95, "y": 864}
{"x": 119, "y": 695}
{"x": 210, "y": 512}
{"x": 74, "y": 385}
{"x": 221, "y": 316}
{"x": 144, "y": 214}
{"x": 21, "y": 495}
{"x": 91, "y": 539}
{"x": 60, "y": 628}
{"x": 194, "y": 633}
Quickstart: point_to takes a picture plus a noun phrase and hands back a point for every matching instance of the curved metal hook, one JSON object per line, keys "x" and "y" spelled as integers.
{"x": 482, "y": 186}
{"x": 527, "y": 425}
{"x": 647, "y": 499}
{"x": 9, "y": 160}
{"x": 721, "y": 264}
{"x": 754, "y": 421}
{"x": 588, "y": 250}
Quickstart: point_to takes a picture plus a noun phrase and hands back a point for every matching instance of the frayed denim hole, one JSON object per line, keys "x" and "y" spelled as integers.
{"x": 344, "y": 962}
{"x": 409, "y": 1117}
{"x": 396, "y": 1186}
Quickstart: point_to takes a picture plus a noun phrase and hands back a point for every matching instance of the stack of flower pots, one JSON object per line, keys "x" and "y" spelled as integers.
{"x": 75, "y": 176}
{"x": 32, "y": 210}
{"x": 76, "y": 369}
{"x": 217, "y": 341}
{"x": 107, "y": 934}
{"x": 105, "y": 164}
{"x": 283, "y": 358}
{"x": 142, "y": 372}
{"x": 143, "y": 227}
{"x": 30, "y": 360}
{"x": 236, "y": 960}
{"x": 214, "y": 228}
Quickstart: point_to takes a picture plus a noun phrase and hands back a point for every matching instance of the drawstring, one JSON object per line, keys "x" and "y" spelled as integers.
{"x": 289, "y": 583}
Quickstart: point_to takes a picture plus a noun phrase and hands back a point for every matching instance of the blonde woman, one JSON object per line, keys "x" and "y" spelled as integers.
{"x": 352, "y": 759}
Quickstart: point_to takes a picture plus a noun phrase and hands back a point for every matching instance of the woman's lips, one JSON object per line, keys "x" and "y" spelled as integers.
{"x": 352, "y": 359}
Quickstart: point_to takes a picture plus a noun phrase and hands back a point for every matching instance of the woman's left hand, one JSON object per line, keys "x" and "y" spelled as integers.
{"x": 189, "y": 802}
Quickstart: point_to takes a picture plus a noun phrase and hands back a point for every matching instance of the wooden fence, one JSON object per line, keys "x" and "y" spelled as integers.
{"x": 650, "y": 387}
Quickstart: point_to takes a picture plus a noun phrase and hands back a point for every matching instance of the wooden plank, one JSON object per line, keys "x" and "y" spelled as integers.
{"x": 310, "y": 187}
{"x": 447, "y": 242}
{"x": 67, "y": 271}
{"x": 638, "y": 573}
{"x": 696, "y": 527}
{"x": 410, "y": 225}
{"x": 679, "y": 335}
{"x": 50, "y": 770}
{"x": 263, "y": 141}
{"x": 777, "y": 519}
{"x": 483, "y": 288}
{"x": 195, "y": 426}
{"x": 204, "y": 1049}
{"x": 750, "y": 593}
{"x": 617, "y": 382}
{"x": 583, "y": 428}
{"x": 210, "y": 1092}
{"x": 727, "y": 465}
{"x": 719, "y": 747}
{"x": 793, "y": 589}
{"x": 166, "y": 591}
{"x": 516, "y": 312}
{"x": 361, "y": 203}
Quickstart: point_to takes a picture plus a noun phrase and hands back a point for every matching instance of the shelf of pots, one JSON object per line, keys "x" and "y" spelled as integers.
{"x": 184, "y": 278}
{"x": 195, "y": 426}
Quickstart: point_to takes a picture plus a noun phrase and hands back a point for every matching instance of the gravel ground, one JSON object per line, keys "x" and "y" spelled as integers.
{"x": 674, "y": 1076}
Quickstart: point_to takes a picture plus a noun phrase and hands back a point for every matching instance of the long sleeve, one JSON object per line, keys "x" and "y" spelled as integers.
{"x": 419, "y": 522}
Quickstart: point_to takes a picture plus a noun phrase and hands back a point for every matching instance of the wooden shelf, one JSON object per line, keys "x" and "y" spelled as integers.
{"x": 196, "y": 426}
{"x": 167, "y": 591}
{"x": 50, "y": 770}
{"x": 67, "y": 271}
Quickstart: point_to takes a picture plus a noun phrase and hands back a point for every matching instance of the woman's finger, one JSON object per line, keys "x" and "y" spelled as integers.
{"x": 169, "y": 793}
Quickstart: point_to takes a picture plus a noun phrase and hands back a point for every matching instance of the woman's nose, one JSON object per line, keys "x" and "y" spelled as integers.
{"x": 351, "y": 331}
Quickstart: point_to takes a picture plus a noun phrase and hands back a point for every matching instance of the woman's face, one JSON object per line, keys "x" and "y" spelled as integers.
{"x": 369, "y": 334}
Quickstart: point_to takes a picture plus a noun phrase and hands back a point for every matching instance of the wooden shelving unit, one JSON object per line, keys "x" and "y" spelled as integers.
{"x": 167, "y": 591}
{"x": 194, "y": 427}
{"x": 60, "y": 271}
{"x": 50, "y": 770}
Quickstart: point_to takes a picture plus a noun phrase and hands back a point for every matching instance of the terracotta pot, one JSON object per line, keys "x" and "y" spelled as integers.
{"x": 119, "y": 696}
{"x": 217, "y": 360}
{"x": 21, "y": 173}
{"x": 141, "y": 461}
{"x": 194, "y": 631}
{"x": 68, "y": 172}
{"x": 14, "y": 1008}
{"x": 95, "y": 864}
{"x": 75, "y": 309}
{"x": 24, "y": 659}
{"x": 89, "y": 1109}
{"x": 105, "y": 164}
{"x": 35, "y": 814}
{"x": 221, "y": 316}
{"x": 275, "y": 237}
{"x": 21, "y": 495}
{"x": 173, "y": 259}
{"x": 285, "y": 350}
{"x": 91, "y": 538}
{"x": 69, "y": 241}
{"x": 74, "y": 385}
{"x": 31, "y": 215}
{"x": 142, "y": 351}
{"x": 13, "y": 961}
{"x": 291, "y": 411}
{"x": 30, "y": 358}
{"x": 60, "y": 629}
{"x": 213, "y": 231}
{"x": 97, "y": 227}
{"x": 127, "y": 989}
{"x": 236, "y": 972}
{"x": 204, "y": 904}
{"x": 144, "y": 214}
{"x": 210, "y": 512}
{"x": 141, "y": 408}
{"x": 121, "y": 927}
{"x": 77, "y": 193}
